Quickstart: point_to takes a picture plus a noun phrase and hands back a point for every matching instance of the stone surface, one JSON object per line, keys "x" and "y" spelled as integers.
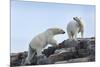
{"x": 69, "y": 51}
{"x": 86, "y": 59}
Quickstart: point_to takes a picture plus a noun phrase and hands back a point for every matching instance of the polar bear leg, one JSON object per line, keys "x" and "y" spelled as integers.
{"x": 69, "y": 35}
{"x": 82, "y": 34}
{"x": 75, "y": 34}
{"x": 52, "y": 42}
{"x": 39, "y": 51}
{"x": 31, "y": 54}
{"x": 27, "y": 61}
{"x": 28, "y": 58}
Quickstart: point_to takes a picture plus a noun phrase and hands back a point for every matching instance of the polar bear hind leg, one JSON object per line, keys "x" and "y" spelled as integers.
{"x": 31, "y": 53}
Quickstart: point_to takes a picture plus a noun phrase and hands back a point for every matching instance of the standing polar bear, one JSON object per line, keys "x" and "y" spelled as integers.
{"x": 40, "y": 41}
{"x": 74, "y": 27}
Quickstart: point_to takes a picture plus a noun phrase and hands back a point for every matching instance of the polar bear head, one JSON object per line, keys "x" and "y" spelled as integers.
{"x": 56, "y": 31}
{"x": 78, "y": 19}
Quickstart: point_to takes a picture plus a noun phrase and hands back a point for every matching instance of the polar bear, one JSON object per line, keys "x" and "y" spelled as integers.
{"x": 40, "y": 41}
{"x": 74, "y": 27}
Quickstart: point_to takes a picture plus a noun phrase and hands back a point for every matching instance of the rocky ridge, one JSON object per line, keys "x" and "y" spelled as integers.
{"x": 69, "y": 51}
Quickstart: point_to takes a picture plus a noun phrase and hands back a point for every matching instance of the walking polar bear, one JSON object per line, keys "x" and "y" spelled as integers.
{"x": 74, "y": 27}
{"x": 40, "y": 41}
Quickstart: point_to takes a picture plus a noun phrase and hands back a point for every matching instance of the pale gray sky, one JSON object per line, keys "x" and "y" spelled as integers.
{"x": 31, "y": 18}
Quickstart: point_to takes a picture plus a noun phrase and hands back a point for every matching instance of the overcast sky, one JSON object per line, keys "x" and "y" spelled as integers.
{"x": 31, "y": 18}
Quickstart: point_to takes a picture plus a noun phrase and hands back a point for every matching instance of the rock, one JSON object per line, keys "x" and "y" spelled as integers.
{"x": 85, "y": 59}
{"x": 24, "y": 57}
{"x": 86, "y": 47}
{"x": 60, "y": 62}
{"x": 41, "y": 60}
{"x": 92, "y": 58}
{"x": 63, "y": 54}
{"x": 50, "y": 50}
{"x": 59, "y": 51}
{"x": 69, "y": 43}
{"x": 75, "y": 49}
{"x": 17, "y": 59}
{"x": 69, "y": 51}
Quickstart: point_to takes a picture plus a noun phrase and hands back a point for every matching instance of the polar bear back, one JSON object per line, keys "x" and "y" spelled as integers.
{"x": 39, "y": 41}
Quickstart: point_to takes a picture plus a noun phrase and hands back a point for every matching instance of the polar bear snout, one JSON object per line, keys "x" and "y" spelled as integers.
{"x": 62, "y": 31}
{"x": 58, "y": 31}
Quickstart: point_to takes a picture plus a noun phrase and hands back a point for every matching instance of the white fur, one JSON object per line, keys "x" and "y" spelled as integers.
{"x": 74, "y": 27}
{"x": 43, "y": 39}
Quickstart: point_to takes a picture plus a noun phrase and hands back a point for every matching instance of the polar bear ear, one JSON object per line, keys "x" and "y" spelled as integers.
{"x": 80, "y": 17}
